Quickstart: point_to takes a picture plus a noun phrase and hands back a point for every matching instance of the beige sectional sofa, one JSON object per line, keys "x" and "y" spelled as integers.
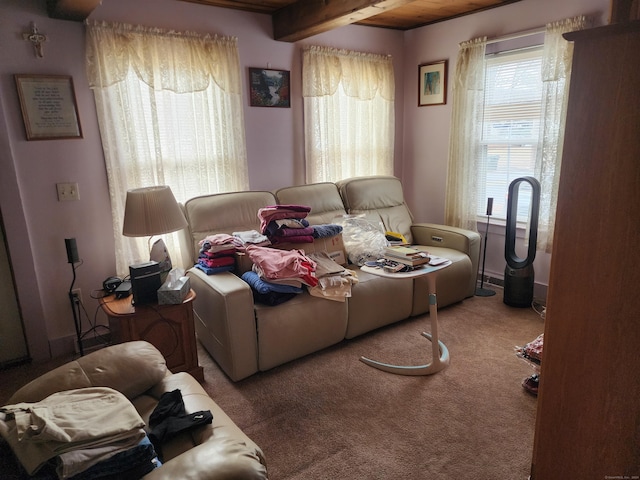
{"x": 246, "y": 337}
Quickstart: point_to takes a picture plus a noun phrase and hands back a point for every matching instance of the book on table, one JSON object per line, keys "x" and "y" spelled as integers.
{"x": 407, "y": 255}
{"x": 403, "y": 251}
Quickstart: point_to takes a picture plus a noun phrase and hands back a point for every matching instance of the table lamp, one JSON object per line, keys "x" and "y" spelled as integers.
{"x": 153, "y": 211}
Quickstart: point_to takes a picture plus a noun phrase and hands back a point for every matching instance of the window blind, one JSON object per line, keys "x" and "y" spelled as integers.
{"x": 511, "y": 125}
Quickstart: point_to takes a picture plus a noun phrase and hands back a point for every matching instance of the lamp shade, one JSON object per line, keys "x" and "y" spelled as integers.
{"x": 151, "y": 211}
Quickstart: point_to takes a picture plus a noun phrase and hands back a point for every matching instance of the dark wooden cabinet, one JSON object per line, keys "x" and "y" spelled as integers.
{"x": 169, "y": 328}
{"x": 588, "y": 417}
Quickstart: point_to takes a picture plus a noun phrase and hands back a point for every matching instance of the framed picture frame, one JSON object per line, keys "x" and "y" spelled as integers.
{"x": 269, "y": 88}
{"x": 432, "y": 83}
{"x": 48, "y": 104}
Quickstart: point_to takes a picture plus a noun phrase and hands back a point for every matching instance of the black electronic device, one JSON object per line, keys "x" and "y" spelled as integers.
{"x": 486, "y": 292}
{"x": 111, "y": 284}
{"x": 123, "y": 290}
{"x": 519, "y": 273}
{"x": 145, "y": 281}
{"x": 72, "y": 250}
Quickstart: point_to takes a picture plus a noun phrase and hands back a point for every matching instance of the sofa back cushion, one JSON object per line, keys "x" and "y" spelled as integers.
{"x": 131, "y": 368}
{"x": 222, "y": 213}
{"x": 323, "y": 198}
{"x": 381, "y": 199}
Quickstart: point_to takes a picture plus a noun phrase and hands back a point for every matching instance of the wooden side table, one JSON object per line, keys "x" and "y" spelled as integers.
{"x": 169, "y": 328}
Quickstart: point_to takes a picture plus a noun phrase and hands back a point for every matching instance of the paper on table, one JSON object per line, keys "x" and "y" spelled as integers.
{"x": 437, "y": 260}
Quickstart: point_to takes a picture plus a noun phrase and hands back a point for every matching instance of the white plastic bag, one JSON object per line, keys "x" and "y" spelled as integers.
{"x": 363, "y": 240}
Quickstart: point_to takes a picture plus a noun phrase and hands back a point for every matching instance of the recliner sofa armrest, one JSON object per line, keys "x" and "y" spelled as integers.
{"x": 431, "y": 234}
{"x": 220, "y": 459}
{"x": 225, "y": 321}
{"x": 466, "y": 241}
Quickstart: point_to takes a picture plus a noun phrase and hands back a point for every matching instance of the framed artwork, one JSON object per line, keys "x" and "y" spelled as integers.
{"x": 48, "y": 104}
{"x": 269, "y": 88}
{"x": 432, "y": 83}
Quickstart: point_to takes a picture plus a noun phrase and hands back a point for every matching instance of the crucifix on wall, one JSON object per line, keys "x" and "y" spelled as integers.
{"x": 37, "y": 39}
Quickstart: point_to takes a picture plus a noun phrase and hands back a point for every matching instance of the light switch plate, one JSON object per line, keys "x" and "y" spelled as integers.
{"x": 68, "y": 191}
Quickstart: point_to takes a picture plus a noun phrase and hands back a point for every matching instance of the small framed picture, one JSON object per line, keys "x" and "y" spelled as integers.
{"x": 48, "y": 106}
{"x": 269, "y": 88}
{"x": 432, "y": 83}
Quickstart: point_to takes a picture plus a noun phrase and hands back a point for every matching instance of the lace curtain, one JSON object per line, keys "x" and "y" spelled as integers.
{"x": 348, "y": 113}
{"x": 466, "y": 133}
{"x": 556, "y": 72}
{"x": 170, "y": 112}
{"x": 466, "y": 128}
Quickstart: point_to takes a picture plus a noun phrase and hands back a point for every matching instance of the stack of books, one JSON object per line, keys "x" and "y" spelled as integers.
{"x": 406, "y": 255}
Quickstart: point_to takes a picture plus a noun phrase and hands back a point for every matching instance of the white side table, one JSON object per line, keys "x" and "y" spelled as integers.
{"x": 439, "y": 350}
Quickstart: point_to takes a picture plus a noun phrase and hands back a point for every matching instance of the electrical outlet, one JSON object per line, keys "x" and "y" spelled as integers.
{"x": 68, "y": 191}
{"x": 76, "y": 292}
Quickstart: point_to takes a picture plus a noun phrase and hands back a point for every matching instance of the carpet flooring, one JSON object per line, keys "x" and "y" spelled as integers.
{"x": 330, "y": 416}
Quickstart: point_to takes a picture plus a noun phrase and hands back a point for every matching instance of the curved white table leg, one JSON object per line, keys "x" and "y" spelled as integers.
{"x": 440, "y": 353}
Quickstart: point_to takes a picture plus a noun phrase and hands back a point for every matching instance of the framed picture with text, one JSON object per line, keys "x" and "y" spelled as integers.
{"x": 432, "y": 83}
{"x": 48, "y": 104}
{"x": 269, "y": 88}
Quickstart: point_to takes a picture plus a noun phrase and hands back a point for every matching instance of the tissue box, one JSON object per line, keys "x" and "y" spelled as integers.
{"x": 172, "y": 293}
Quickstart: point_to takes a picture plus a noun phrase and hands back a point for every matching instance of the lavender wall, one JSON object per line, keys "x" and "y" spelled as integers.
{"x": 36, "y": 223}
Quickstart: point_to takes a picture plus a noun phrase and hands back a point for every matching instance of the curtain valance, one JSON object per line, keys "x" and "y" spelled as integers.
{"x": 158, "y": 57}
{"x": 362, "y": 75}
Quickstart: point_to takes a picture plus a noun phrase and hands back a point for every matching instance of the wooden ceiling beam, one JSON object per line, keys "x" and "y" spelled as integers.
{"x": 77, "y": 10}
{"x": 305, "y": 18}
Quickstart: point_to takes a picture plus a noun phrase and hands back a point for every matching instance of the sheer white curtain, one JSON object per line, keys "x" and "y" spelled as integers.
{"x": 466, "y": 133}
{"x": 556, "y": 73}
{"x": 466, "y": 128}
{"x": 170, "y": 113}
{"x": 348, "y": 113}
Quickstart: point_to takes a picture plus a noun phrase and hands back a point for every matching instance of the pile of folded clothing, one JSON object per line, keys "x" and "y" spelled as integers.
{"x": 251, "y": 237}
{"x": 217, "y": 253}
{"x": 326, "y": 230}
{"x": 278, "y": 275}
{"x": 286, "y": 224}
{"x": 86, "y": 433}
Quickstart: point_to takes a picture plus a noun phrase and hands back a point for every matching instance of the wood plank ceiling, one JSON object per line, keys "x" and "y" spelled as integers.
{"x": 295, "y": 20}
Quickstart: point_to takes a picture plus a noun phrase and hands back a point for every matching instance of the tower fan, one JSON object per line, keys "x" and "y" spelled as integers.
{"x": 519, "y": 274}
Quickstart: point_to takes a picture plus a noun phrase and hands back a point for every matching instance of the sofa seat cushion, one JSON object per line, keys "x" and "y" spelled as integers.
{"x": 377, "y": 301}
{"x": 298, "y": 327}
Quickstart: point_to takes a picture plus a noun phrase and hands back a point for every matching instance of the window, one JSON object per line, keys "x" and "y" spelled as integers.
{"x": 487, "y": 150}
{"x": 510, "y": 128}
{"x": 348, "y": 113}
{"x": 170, "y": 107}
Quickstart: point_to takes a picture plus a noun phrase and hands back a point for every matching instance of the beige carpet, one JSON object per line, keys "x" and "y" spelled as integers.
{"x": 329, "y": 416}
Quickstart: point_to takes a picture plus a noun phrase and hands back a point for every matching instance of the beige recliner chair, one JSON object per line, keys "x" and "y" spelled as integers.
{"x": 219, "y": 451}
